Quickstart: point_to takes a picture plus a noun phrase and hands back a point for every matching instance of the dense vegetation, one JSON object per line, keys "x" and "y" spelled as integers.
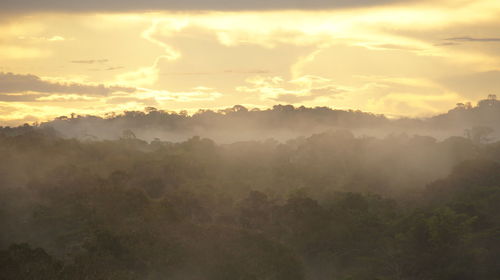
{"x": 328, "y": 206}
{"x": 281, "y": 122}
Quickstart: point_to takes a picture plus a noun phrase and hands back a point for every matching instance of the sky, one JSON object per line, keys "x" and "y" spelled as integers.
{"x": 412, "y": 58}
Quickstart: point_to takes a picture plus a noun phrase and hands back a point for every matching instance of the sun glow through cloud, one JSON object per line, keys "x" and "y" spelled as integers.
{"x": 392, "y": 59}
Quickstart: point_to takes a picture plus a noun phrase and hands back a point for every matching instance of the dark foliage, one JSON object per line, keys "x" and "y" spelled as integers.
{"x": 328, "y": 206}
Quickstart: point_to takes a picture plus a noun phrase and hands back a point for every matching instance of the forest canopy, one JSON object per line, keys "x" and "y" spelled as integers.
{"x": 336, "y": 204}
{"x": 281, "y": 122}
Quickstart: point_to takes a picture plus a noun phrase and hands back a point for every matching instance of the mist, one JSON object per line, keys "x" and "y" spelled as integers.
{"x": 281, "y": 122}
{"x": 284, "y": 193}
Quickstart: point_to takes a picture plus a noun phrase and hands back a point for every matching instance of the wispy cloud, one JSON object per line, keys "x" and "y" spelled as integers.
{"x": 473, "y": 39}
{"x": 18, "y": 83}
{"x": 56, "y": 38}
{"x": 302, "y": 89}
{"x": 90, "y": 61}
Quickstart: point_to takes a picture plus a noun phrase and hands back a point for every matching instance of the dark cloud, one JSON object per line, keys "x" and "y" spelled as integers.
{"x": 16, "y": 83}
{"x": 90, "y": 61}
{"x": 472, "y": 39}
{"x": 41, "y": 97}
{"x": 20, "y": 97}
{"x": 446, "y": 44}
{"x": 184, "y": 5}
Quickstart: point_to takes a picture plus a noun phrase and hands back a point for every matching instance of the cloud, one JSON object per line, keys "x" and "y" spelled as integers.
{"x": 446, "y": 44}
{"x": 18, "y": 83}
{"x": 124, "y": 99}
{"x": 66, "y": 98}
{"x": 302, "y": 89}
{"x": 195, "y": 94}
{"x": 309, "y": 95}
{"x": 19, "y": 121}
{"x": 326, "y": 91}
{"x": 391, "y": 47}
{"x": 46, "y": 97}
{"x": 472, "y": 39}
{"x": 185, "y": 5}
{"x": 20, "y": 97}
{"x": 242, "y": 71}
{"x": 56, "y": 38}
{"x": 114, "y": 68}
{"x": 229, "y": 71}
{"x": 90, "y": 61}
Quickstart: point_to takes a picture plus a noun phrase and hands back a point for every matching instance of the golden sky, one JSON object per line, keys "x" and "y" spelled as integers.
{"x": 401, "y": 58}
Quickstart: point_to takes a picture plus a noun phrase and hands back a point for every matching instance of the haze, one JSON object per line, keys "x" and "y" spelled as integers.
{"x": 249, "y": 140}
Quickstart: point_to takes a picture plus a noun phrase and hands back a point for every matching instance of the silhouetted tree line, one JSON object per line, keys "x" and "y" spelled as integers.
{"x": 281, "y": 122}
{"x": 327, "y": 206}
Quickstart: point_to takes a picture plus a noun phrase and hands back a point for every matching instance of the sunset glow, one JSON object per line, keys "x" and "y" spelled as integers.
{"x": 413, "y": 58}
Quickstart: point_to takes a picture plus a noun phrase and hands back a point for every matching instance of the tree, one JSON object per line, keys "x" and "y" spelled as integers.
{"x": 20, "y": 261}
{"x": 479, "y": 134}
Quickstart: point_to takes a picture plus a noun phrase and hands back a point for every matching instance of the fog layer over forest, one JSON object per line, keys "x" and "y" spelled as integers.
{"x": 282, "y": 122}
{"x": 286, "y": 193}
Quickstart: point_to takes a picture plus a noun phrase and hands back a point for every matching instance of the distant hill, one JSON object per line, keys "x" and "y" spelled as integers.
{"x": 281, "y": 122}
